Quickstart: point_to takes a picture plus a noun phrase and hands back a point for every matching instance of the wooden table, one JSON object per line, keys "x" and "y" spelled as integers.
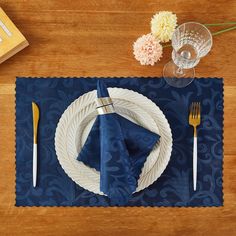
{"x": 94, "y": 38}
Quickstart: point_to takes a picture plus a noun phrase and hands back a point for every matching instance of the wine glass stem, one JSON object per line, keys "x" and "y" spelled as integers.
{"x": 179, "y": 71}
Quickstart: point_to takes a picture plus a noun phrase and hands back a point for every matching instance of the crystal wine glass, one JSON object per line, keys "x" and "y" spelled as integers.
{"x": 191, "y": 41}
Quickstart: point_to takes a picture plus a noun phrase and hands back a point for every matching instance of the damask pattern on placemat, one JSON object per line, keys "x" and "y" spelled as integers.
{"x": 173, "y": 188}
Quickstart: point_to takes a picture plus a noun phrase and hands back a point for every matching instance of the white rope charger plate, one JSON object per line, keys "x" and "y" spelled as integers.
{"x": 75, "y": 123}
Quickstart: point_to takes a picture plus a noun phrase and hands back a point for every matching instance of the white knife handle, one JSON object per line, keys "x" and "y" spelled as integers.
{"x": 195, "y": 163}
{"x": 34, "y": 164}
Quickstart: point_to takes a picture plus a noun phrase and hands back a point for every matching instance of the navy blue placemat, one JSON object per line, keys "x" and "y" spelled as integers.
{"x": 173, "y": 188}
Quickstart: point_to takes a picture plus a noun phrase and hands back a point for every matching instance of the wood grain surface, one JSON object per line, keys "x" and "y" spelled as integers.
{"x": 94, "y": 38}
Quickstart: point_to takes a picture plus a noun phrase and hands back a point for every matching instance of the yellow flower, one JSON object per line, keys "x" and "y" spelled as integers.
{"x": 163, "y": 25}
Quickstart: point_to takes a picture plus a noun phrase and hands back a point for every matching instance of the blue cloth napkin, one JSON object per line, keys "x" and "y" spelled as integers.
{"x": 118, "y": 148}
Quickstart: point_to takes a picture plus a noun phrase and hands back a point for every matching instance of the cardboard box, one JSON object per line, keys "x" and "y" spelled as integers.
{"x": 11, "y": 39}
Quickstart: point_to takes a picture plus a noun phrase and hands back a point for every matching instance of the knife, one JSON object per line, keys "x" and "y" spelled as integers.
{"x": 35, "y": 111}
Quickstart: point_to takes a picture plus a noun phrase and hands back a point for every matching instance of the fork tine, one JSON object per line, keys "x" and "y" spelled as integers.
{"x": 199, "y": 110}
{"x": 195, "y": 110}
{"x": 191, "y": 111}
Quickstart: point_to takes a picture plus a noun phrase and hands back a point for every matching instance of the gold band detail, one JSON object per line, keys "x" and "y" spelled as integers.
{"x": 107, "y": 109}
{"x": 103, "y": 101}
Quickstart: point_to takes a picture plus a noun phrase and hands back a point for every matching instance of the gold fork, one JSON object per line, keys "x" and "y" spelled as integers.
{"x": 195, "y": 120}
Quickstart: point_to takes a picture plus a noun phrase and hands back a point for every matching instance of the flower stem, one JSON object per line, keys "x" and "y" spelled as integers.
{"x": 218, "y": 24}
{"x": 167, "y": 45}
{"x": 224, "y": 30}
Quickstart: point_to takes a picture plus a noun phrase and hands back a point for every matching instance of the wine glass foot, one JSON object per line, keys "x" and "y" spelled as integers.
{"x": 176, "y": 77}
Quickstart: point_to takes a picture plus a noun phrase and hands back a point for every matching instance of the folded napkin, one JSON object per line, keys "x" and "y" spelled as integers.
{"x": 116, "y": 147}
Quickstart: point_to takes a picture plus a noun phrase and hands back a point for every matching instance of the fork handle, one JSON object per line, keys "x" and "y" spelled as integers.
{"x": 195, "y": 163}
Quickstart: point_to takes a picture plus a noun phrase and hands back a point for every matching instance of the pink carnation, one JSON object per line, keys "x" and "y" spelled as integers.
{"x": 147, "y": 50}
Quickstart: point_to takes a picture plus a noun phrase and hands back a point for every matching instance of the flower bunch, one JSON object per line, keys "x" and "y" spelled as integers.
{"x": 163, "y": 25}
{"x": 147, "y": 48}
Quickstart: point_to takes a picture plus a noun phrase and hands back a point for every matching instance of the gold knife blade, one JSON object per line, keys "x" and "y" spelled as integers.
{"x": 35, "y": 111}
